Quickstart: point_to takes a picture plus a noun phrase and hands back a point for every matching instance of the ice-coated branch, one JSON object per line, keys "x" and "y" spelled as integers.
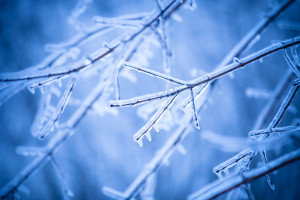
{"x": 155, "y": 74}
{"x": 210, "y": 76}
{"x": 43, "y": 130}
{"x": 135, "y": 187}
{"x": 290, "y": 25}
{"x": 248, "y": 39}
{"x": 218, "y": 188}
{"x": 285, "y": 104}
{"x": 63, "y": 134}
{"x": 251, "y": 37}
{"x": 273, "y": 130}
{"x": 66, "y": 131}
{"x": 195, "y": 117}
{"x": 265, "y": 114}
{"x": 291, "y": 64}
{"x": 83, "y": 64}
{"x": 224, "y": 166}
{"x": 145, "y": 130}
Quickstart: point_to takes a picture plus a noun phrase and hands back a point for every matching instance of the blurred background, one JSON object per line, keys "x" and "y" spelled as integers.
{"x": 102, "y": 152}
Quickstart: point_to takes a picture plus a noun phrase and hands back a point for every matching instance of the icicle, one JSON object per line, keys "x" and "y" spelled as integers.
{"x": 191, "y": 5}
{"x": 87, "y": 61}
{"x": 236, "y": 59}
{"x": 231, "y": 75}
{"x": 276, "y": 42}
{"x": 156, "y": 127}
{"x": 113, "y": 193}
{"x": 220, "y": 176}
{"x": 54, "y": 90}
{"x": 31, "y": 89}
{"x": 272, "y": 186}
{"x": 166, "y": 162}
{"x": 292, "y": 109}
{"x": 149, "y": 188}
{"x": 196, "y": 123}
{"x": 148, "y": 136}
{"x": 139, "y": 141}
{"x": 226, "y": 171}
{"x": 41, "y": 89}
{"x": 66, "y": 191}
{"x": 255, "y": 40}
{"x": 261, "y": 59}
{"x": 295, "y": 55}
{"x": 176, "y": 17}
{"x": 24, "y": 189}
{"x": 181, "y": 149}
{"x": 106, "y": 45}
{"x": 258, "y": 93}
{"x": 59, "y": 83}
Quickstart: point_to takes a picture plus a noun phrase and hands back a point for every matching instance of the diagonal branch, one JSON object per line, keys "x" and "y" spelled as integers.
{"x": 210, "y": 76}
{"x": 155, "y": 74}
{"x": 79, "y": 66}
{"x": 145, "y": 130}
{"x": 156, "y": 162}
{"x": 218, "y": 188}
{"x": 273, "y": 130}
